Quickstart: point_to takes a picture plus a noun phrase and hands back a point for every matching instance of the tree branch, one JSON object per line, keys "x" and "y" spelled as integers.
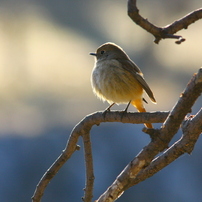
{"x": 163, "y": 32}
{"x": 162, "y": 138}
{"x": 139, "y": 167}
{"x": 83, "y": 129}
{"x": 54, "y": 168}
{"x": 89, "y": 168}
{"x": 192, "y": 128}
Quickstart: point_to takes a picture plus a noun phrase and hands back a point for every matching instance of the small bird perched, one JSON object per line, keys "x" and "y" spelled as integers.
{"x": 117, "y": 79}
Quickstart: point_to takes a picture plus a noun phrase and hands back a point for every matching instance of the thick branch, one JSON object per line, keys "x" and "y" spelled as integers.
{"x": 163, "y": 32}
{"x": 183, "y": 106}
{"x": 163, "y": 137}
{"x": 192, "y": 128}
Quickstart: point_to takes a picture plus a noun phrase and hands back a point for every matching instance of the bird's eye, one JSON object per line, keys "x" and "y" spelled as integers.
{"x": 102, "y": 52}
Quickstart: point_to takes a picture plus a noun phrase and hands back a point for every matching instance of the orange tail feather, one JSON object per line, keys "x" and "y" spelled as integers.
{"x": 139, "y": 105}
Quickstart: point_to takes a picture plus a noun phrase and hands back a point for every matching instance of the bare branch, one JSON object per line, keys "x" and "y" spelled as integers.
{"x": 83, "y": 128}
{"x": 52, "y": 171}
{"x": 192, "y": 128}
{"x": 161, "y": 141}
{"x": 163, "y": 32}
{"x": 89, "y": 168}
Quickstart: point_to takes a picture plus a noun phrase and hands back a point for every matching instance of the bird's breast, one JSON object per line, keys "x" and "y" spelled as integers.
{"x": 105, "y": 73}
{"x": 113, "y": 83}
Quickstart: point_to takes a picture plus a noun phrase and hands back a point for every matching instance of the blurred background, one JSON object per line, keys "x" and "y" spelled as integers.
{"x": 45, "y": 90}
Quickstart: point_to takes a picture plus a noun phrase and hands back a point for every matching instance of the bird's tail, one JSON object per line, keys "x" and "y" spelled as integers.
{"x": 139, "y": 105}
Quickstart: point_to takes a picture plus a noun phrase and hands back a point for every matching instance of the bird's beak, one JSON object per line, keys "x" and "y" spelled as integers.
{"x": 94, "y": 54}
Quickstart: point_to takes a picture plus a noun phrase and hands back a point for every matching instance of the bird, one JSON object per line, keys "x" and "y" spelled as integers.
{"x": 117, "y": 79}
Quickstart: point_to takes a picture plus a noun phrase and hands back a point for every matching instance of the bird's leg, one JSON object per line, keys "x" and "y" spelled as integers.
{"x": 125, "y": 111}
{"x": 127, "y": 106}
{"x": 107, "y": 109}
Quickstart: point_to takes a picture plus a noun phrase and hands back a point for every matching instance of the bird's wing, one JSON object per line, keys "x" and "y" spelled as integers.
{"x": 137, "y": 74}
{"x": 129, "y": 65}
{"x": 145, "y": 87}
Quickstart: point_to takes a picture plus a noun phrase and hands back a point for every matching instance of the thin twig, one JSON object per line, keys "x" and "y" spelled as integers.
{"x": 54, "y": 168}
{"x": 89, "y": 168}
{"x": 167, "y": 31}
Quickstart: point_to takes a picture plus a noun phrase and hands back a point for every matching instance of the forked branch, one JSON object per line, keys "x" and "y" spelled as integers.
{"x": 83, "y": 129}
{"x": 144, "y": 164}
{"x": 163, "y": 32}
